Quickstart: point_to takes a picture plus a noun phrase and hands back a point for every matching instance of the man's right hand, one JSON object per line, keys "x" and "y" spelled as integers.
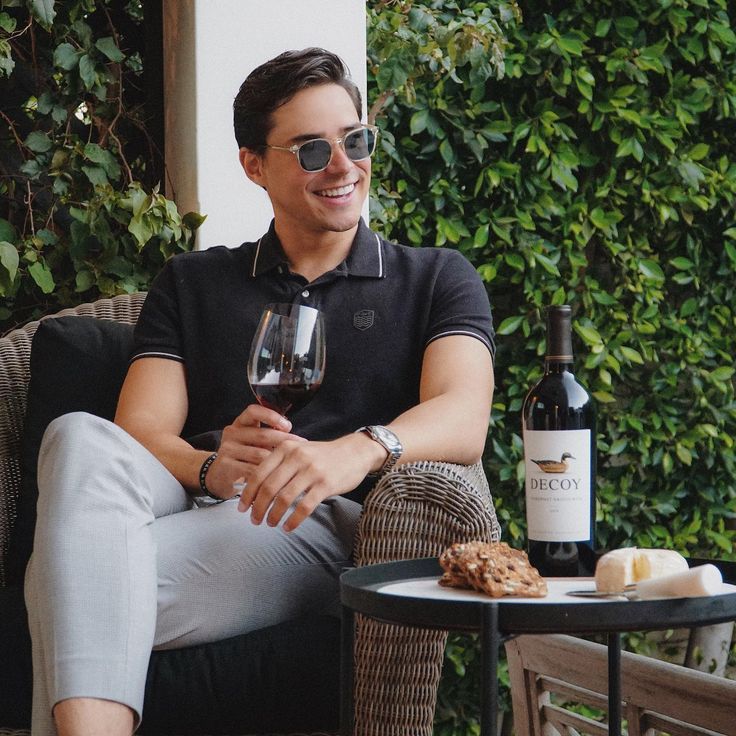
{"x": 245, "y": 443}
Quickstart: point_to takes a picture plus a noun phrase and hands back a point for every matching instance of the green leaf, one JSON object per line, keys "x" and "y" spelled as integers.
{"x": 589, "y": 334}
{"x": 192, "y": 220}
{"x": 684, "y": 454}
{"x": 633, "y": 355}
{"x": 98, "y": 155}
{"x": 43, "y": 11}
{"x": 87, "y": 71}
{"x": 108, "y": 47}
{"x": 448, "y": 155}
{"x": 84, "y": 281}
{"x": 42, "y": 276}
{"x": 651, "y": 269}
{"x": 394, "y": 72}
{"x": 689, "y": 306}
{"x": 515, "y": 261}
{"x": 9, "y": 260}
{"x": 547, "y": 264}
{"x": 510, "y": 325}
{"x": 681, "y": 263}
{"x": 7, "y": 23}
{"x": 604, "y": 298}
{"x": 7, "y": 231}
{"x": 691, "y": 173}
{"x": 618, "y": 446}
{"x": 602, "y": 27}
{"x": 66, "y": 56}
{"x": 722, "y": 374}
{"x": 140, "y": 230}
{"x": 571, "y": 45}
{"x": 38, "y": 142}
{"x": 699, "y": 151}
{"x": 96, "y": 175}
{"x": 481, "y": 236}
{"x": 419, "y": 121}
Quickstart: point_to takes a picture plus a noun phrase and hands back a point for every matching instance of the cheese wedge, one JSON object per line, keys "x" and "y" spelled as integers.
{"x": 621, "y": 567}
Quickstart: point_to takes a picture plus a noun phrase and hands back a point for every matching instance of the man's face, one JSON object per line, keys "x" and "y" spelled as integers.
{"x": 312, "y": 203}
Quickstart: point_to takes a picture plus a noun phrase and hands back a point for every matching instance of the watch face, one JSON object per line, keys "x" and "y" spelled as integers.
{"x": 384, "y": 435}
{"x": 388, "y": 438}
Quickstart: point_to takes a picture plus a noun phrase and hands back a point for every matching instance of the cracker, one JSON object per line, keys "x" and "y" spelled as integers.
{"x": 492, "y": 568}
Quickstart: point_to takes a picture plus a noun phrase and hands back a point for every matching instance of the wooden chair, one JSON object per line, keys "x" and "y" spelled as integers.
{"x": 657, "y": 697}
{"x": 415, "y": 511}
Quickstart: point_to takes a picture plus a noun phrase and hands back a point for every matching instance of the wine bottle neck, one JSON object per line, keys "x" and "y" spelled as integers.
{"x": 558, "y": 364}
{"x": 559, "y": 337}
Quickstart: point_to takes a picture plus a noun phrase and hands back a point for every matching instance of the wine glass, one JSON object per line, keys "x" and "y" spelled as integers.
{"x": 287, "y": 357}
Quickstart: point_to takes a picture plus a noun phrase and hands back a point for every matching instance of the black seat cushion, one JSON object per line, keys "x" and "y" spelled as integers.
{"x": 280, "y": 679}
{"x": 77, "y": 364}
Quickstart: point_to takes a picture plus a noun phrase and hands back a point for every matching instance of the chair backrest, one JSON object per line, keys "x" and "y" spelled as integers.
{"x": 15, "y": 353}
{"x": 657, "y": 697}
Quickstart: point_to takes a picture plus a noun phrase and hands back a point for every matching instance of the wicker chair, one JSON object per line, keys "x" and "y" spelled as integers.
{"x": 415, "y": 511}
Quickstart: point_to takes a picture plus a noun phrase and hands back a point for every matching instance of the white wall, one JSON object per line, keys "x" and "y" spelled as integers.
{"x": 210, "y": 46}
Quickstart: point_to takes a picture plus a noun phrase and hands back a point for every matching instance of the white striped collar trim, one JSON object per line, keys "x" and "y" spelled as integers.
{"x": 469, "y": 333}
{"x": 380, "y": 255}
{"x": 255, "y": 260}
{"x": 157, "y": 354}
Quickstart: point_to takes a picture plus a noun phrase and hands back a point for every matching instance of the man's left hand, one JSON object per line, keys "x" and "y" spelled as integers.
{"x": 300, "y": 475}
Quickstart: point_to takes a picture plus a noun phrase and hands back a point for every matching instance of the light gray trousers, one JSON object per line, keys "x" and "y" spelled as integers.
{"x": 124, "y": 562}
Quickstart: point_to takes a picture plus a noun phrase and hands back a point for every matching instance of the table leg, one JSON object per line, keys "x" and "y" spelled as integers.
{"x": 347, "y": 665}
{"x": 489, "y": 643}
{"x": 614, "y": 684}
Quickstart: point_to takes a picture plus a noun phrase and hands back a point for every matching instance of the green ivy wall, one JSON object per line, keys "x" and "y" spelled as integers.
{"x": 594, "y": 165}
{"x": 600, "y": 171}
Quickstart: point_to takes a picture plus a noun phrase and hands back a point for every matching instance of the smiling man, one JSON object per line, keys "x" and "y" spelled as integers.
{"x": 133, "y": 548}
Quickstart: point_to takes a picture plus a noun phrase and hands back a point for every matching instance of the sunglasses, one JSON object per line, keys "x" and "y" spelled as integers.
{"x": 315, "y": 155}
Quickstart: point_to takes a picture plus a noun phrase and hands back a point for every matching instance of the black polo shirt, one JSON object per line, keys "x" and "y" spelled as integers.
{"x": 382, "y": 306}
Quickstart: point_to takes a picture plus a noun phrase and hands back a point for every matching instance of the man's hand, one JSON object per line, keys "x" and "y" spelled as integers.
{"x": 246, "y": 443}
{"x": 303, "y": 474}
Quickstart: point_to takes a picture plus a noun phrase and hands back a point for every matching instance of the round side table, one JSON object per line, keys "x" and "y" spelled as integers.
{"x": 407, "y": 592}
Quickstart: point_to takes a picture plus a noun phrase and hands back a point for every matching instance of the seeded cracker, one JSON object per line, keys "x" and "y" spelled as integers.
{"x": 492, "y": 568}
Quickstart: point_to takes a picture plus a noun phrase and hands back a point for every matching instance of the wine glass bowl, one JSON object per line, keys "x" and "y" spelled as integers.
{"x": 287, "y": 357}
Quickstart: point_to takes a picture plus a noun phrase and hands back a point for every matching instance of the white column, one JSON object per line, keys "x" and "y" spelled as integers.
{"x": 210, "y": 46}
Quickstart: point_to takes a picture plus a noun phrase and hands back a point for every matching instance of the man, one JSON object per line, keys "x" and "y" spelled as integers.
{"x": 124, "y": 560}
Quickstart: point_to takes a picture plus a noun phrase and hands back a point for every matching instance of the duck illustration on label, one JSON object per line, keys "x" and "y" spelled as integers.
{"x": 554, "y": 466}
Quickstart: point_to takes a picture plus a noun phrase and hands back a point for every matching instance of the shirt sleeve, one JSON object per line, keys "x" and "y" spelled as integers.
{"x": 460, "y": 304}
{"x": 158, "y": 329}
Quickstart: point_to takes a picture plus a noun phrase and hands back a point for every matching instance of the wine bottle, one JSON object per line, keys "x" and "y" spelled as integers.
{"x": 559, "y": 437}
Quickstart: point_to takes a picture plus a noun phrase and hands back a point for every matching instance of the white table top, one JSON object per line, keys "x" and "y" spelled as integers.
{"x": 558, "y": 589}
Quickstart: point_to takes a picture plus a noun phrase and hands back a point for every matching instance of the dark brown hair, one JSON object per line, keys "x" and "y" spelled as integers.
{"x": 274, "y": 83}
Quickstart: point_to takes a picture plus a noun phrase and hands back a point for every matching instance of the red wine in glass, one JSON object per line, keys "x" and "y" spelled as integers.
{"x": 287, "y": 357}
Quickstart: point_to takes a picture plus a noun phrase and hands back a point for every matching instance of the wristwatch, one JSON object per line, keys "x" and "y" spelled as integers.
{"x": 388, "y": 440}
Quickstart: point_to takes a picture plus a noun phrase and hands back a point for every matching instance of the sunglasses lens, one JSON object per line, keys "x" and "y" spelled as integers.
{"x": 315, "y": 155}
{"x": 360, "y": 144}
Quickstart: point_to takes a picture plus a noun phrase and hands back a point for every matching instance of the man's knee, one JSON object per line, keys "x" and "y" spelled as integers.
{"x": 75, "y": 428}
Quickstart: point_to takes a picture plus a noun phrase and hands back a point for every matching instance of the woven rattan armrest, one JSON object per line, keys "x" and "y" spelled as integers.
{"x": 416, "y": 510}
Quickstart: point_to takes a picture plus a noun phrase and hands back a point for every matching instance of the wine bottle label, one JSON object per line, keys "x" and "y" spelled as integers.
{"x": 558, "y": 492}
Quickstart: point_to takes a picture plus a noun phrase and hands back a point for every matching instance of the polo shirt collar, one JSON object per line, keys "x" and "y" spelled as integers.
{"x": 364, "y": 259}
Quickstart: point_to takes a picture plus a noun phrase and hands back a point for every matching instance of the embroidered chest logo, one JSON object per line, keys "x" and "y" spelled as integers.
{"x": 363, "y": 319}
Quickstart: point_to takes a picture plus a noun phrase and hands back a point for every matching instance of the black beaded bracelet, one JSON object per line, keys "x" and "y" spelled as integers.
{"x": 203, "y": 478}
